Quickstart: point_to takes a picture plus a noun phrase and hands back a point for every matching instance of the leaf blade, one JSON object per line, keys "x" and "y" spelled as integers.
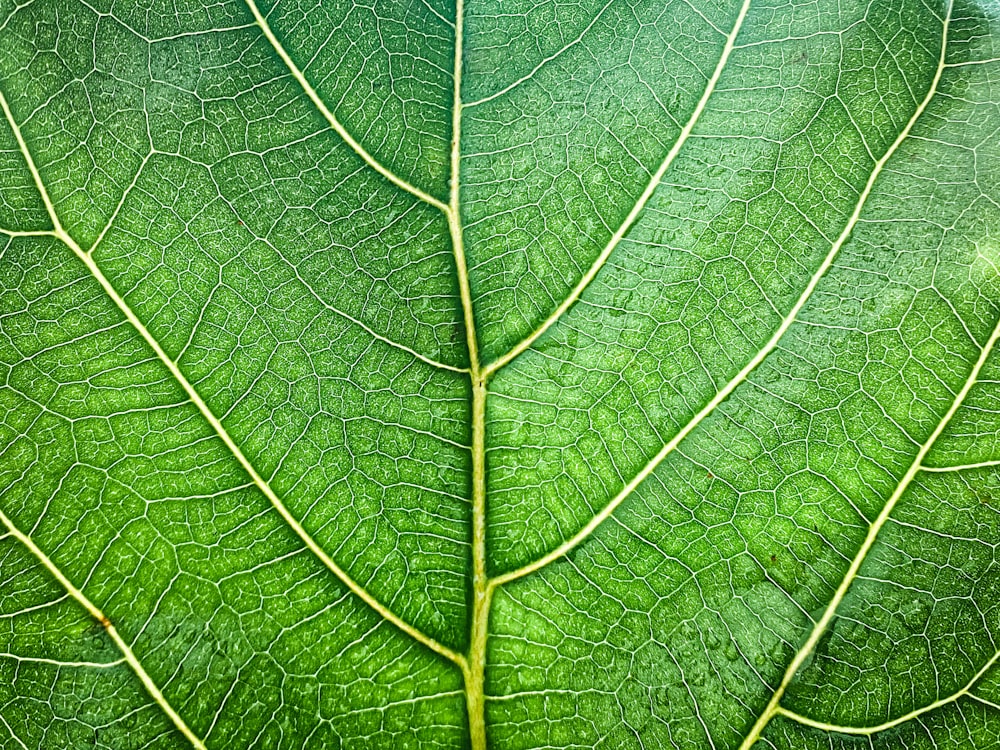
{"x": 787, "y": 322}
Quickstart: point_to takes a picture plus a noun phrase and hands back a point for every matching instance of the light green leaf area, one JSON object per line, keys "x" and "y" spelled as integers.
{"x": 500, "y": 374}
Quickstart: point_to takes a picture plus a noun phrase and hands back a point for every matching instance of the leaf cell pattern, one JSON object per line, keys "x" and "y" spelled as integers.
{"x": 593, "y": 374}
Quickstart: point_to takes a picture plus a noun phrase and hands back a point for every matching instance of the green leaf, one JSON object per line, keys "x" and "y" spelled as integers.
{"x": 607, "y": 374}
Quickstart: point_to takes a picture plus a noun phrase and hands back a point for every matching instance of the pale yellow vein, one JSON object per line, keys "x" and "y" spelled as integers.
{"x": 740, "y": 377}
{"x": 97, "y": 614}
{"x": 902, "y": 719}
{"x": 637, "y": 208}
{"x": 332, "y": 119}
{"x": 213, "y": 420}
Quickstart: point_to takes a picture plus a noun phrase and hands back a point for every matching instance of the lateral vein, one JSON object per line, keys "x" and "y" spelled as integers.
{"x": 873, "y": 530}
{"x": 962, "y": 467}
{"x": 99, "y": 616}
{"x": 742, "y": 375}
{"x": 331, "y": 118}
{"x": 774, "y": 706}
{"x": 316, "y": 295}
{"x": 10, "y": 731}
{"x": 843, "y": 729}
{"x": 213, "y": 420}
{"x": 545, "y": 61}
{"x": 633, "y": 215}
{"x": 58, "y": 663}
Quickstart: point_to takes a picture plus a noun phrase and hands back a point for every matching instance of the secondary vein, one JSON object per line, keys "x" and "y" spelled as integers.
{"x": 774, "y": 705}
{"x": 210, "y": 416}
{"x": 817, "y": 632}
{"x": 94, "y": 611}
{"x": 450, "y": 209}
{"x": 743, "y": 374}
{"x": 331, "y": 118}
{"x": 640, "y": 204}
{"x": 909, "y": 716}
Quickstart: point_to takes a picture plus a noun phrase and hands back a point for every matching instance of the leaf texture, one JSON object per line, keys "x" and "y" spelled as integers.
{"x": 605, "y": 374}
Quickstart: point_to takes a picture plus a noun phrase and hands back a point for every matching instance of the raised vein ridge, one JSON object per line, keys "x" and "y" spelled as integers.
{"x": 774, "y": 706}
{"x": 308, "y": 287}
{"x": 530, "y": 74}
{"x": 97, "y": 614}
{"x": 831, "y": 610}
{"x": 474, "y": 667}
{"x": 331, "y": 118}
{"x": 743, "y": 374}
{"x": 640, "y": 204}
{"x": 212, "y": 419}
{"x": 909, "y": 716}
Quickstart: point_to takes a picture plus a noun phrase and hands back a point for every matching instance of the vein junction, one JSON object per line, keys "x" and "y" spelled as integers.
{"x": 86, "y": 258}
{"x": 473, "y": 663}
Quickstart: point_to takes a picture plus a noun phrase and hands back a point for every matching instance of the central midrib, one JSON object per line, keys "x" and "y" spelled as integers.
{"x": 483, "y": 587}
{"x": 474, "y": 665}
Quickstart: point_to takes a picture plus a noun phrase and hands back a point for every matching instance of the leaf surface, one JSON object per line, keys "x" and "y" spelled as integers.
{"x": 516, "y": 375}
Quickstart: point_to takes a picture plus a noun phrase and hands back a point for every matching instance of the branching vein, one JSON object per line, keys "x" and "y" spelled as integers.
{"x": 210, "y": 416}
{"x": 909, "y": 716}
{"x": 472, "y": 663}
{"x": 823, "y": 623}
{"x": 774, "y": 706}
{"x": 743, "y": 374}
{"x": 99, "y": 616}
{"x": 640, "y": 204}
{"x": 331, "y": 118}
